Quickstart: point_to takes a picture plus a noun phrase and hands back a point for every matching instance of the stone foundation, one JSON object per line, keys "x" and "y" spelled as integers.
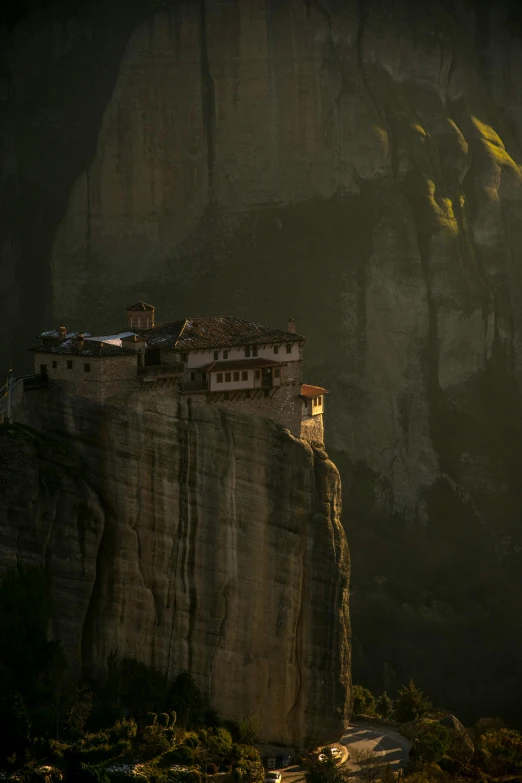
{"x": 312, "y": 429}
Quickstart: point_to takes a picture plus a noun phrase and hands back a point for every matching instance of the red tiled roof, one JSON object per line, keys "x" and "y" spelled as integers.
{"x": 140, "y": 307}
{"x": 240, "y": 364}
{"x": 216, "y": 332}
{"x": 312, "y": 391}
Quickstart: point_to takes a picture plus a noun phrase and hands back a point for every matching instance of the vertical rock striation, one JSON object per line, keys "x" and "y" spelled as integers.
{"x": 357, "y": 165}
{"x": 219, "y": 551}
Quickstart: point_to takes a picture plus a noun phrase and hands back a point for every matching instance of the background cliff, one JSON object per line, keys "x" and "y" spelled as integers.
{"x": 355, "y": 165}
{"x": 209, "y": 542}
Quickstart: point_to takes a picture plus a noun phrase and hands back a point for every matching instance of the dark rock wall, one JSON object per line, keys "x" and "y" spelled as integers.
{"x": 203, "y": 541}
{"x": 355, "y": 165}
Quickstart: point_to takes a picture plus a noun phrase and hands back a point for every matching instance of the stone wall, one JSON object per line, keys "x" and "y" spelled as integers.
{"x": 107, "y": 375}
{"x": 284, "y": 407}
{"x": 312, "y": 428}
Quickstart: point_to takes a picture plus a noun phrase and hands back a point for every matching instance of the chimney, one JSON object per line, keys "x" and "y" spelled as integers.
{"x": 291, "y": 325}
{"x": 80, "y": 341}
{"x": 62, "y": 332}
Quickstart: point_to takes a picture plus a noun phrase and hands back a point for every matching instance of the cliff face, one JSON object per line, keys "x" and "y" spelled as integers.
{"x": 355, "y": 165}
{"x": 207, "y": 542}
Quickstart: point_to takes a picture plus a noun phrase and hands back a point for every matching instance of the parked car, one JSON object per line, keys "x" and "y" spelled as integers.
{"x": 273, "y": 777}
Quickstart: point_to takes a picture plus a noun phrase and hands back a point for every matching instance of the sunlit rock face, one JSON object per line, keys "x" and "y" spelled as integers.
{"x": 357, "y": 166}
{"x": 202, "y": 541}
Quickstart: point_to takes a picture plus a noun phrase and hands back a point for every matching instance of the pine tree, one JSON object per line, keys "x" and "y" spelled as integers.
{"x": 384, "y": 706}
{"x": 411, "y": 703}
{"x": 363, "y": 701}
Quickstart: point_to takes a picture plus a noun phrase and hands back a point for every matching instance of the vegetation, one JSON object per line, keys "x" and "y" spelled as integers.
{"x": 132, "y": 724}
{"x": 411, "y": 703}
{"x": 443, "y": 750}
{"x": 363, "y": 701}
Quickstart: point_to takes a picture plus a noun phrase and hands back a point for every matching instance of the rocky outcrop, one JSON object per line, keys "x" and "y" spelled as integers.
{"x": 355, "y": 165}
{"x": 197, "y": 540}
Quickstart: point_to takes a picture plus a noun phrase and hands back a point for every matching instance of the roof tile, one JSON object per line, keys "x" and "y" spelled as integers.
{"x": 215, "y": 332}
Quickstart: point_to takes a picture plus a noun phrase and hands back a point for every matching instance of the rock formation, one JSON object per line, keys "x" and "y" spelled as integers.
{"x": 204, "y": 541}
{"x": 355, "y": 165}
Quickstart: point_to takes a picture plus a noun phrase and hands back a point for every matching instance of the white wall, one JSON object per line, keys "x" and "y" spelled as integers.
{"x": 200, "y": 358}
{"x": 251, "y": 383}
{"x": 313, "y": 410}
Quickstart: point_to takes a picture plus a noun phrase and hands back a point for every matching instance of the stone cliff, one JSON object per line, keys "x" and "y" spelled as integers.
{"x": 355, "y": 165}
{"x": 206, "y": 541}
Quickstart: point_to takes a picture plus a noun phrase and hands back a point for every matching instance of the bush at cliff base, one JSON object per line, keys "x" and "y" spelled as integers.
{"x": 363, "y": 701}
{"x": 501, "y": 751}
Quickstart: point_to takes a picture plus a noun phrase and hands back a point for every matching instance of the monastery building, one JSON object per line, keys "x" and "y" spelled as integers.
{"x": 210, "y": 360}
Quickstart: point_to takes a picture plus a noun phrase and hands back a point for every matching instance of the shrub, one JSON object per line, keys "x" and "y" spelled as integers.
{"x": 431, "y": 743}
{"x": 501, "y": 751}
{"x": 363, "y": 701}
{"x": 163, "y": 719}
{"x": 90, "y": 773}
{"x": 384, "y": 706}
{"x": 123, "y": 730}
{"x": 245, "y": 771}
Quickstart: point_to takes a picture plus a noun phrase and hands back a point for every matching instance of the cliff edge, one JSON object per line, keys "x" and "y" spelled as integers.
{"x": 198, "y": 540}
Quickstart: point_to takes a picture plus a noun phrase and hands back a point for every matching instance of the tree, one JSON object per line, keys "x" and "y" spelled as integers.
{"x": 327, "y": 771}
{"x": 411, "y": 703}
{"x": 384, "y": 706}
{"x": 363, "y": 701}
{"x": 431, "y": 743}
{"x": 370, "y": 764}
{"x": 185, "y": 697}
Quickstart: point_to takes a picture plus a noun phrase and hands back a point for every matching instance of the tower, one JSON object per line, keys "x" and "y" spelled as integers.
{"x": 140, "y": 315}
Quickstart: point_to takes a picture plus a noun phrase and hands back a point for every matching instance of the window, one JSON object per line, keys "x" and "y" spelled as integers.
{"x": 227, "y": 377}
{"x": 184, "y": 357}
{"x": 216, "y": 355}
{"x": 55, "y": 365}
{"x": 225, "y": 354}
{"x": 226, "y": 396}
{"x": 192, "y": 376}
{"x": 247, "y": 351}
{"x": 244, "y": 375}
{"x": 86, "y": 367}
{"x": 139, "y": 322}
{"x": 236, "y": 377}
{"x": 258, "y": 375}
{"x": 69, "y": 364}
{"x": 220, "y": 377}
{"x": 277, "y": 372}
{"x": 289, "y": 347}
{"x": 276, "y": 349}
{"x": 254, "y": 350}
